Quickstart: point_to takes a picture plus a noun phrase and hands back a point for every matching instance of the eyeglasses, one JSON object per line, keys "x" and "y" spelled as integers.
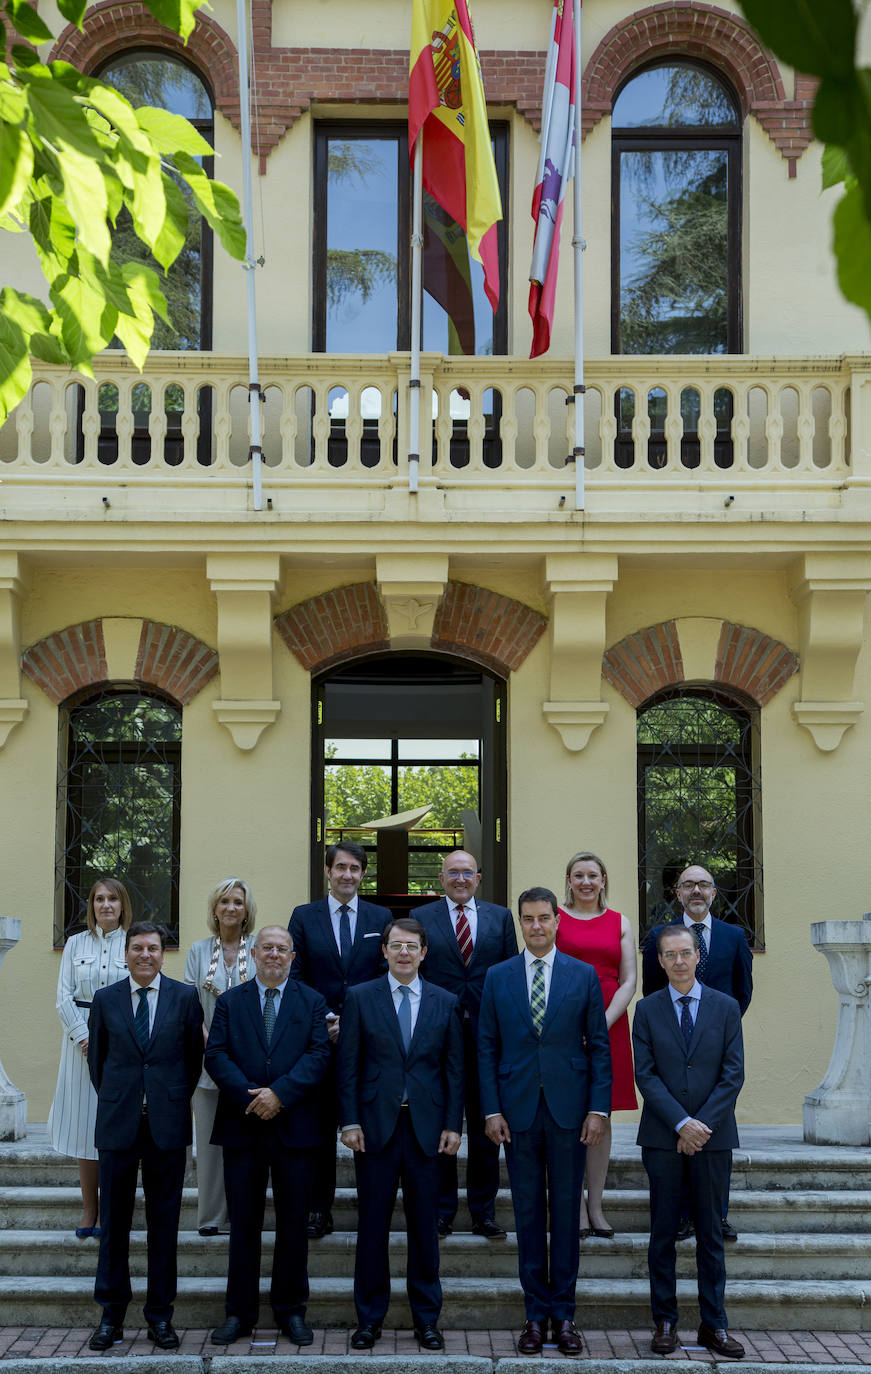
{"x": 396, "y": 946}
{"x": 466, "y": 873}
{"x": 671, "y": 954}
{"x": 688, "y": 887}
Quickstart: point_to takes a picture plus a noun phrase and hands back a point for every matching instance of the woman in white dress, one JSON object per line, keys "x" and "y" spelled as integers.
{"x": 92, "y": 959}
{"x": 219, "y": 962}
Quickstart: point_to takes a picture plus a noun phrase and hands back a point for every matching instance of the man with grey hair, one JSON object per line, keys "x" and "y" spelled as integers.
{"x": 267, "y": 1051}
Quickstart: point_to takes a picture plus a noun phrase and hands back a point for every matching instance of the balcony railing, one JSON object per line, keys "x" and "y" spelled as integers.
{"x": 502, "y": 423}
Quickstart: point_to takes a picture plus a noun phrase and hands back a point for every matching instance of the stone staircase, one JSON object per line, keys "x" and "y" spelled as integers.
{"x": 803, "y": 1259}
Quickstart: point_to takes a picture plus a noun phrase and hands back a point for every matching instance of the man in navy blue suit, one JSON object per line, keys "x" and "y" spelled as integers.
{"x": 545, "y": 1064}
{"x": 268, "y": 1051}
{"x": 145, "y": 1055}
{"x": 689, "y": 1067}
{"x": 400, "y": 1064}
{"x": 725, "y": 964}
{"x": 465, "y": 938}
{"x": 338, "y": 944}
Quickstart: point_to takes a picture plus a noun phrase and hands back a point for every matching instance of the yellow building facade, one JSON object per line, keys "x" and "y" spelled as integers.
{"x": 720, "y": 562}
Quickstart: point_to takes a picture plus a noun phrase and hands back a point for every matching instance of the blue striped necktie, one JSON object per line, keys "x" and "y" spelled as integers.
{"x": 142, "y": 1032}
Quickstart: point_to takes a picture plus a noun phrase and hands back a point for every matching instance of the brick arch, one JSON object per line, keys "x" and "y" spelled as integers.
{"x": 168, "y": 658}
{"x": 747, "y": 661}
{"x": 492, "y": 630}
{"x": 115, "y": 26}
{"x": 676, "y": 29}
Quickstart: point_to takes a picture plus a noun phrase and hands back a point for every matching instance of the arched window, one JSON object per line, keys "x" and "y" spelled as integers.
{"x": 151, "y": 77}
{"x": 676, "y": 140}
{"x": 699, "y": 801}
{"x": 119, "y": 804}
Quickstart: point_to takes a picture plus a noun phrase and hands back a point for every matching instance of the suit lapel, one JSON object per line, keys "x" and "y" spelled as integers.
{"x": 559, "y": 980}
{"x": 669, "y": 1011}
{"x": 164, "y": 1003}
{"x": 388, "y": 1012}
{"x": 517, "y": 985}
{"x": 252, "y": 1003}
{"x": 288, "y": 1010}
{"x": 326, "y": 928}
{"x": 126, "y": 1007}
{"x": 427, "y": 997}
{"x": 444, "y": 926}
{"x": 485, "y": 921}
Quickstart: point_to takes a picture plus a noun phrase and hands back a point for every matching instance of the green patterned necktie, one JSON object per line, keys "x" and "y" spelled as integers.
{"x": 537, "y": 1004}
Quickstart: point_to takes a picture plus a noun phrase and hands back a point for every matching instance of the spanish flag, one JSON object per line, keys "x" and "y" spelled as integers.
{"x": 446, "y": 103}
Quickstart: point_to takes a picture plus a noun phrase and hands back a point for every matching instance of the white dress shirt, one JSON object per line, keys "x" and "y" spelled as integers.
{"x": 471, "y": 916}
{"x": 689, "y": 923}
{"x": 279, "y": 990}
{"x": 153, "y": 991}
{"x": 414, "y": 998}
{"x": 336, "y": 916}
{"x": 547, "y": 960}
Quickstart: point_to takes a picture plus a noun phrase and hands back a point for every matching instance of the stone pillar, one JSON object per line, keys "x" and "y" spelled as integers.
{"x": 13, "y": 1102}
{"x": 839, "y": 1111}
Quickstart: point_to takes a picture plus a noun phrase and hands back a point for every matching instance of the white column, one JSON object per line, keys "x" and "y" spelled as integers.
{"x": 838, "y": 1112}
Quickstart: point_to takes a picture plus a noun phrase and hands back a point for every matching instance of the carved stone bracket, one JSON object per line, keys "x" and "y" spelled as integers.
{"x": 579, "y": 586}
{"x": 411, "y": 587}
{"x": 829, "y": 590}
{"x": 244, "y": 585}
{"x": 13, "y": 707}
{"x": 838, "y": 1112}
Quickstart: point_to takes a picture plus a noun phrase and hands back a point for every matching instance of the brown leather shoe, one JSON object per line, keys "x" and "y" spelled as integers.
{"x": 720, "y": 1342}
{"x": 568, "y": 1338}
{"x": 530, "y": 1340}
{"x": 665, "y": 1338}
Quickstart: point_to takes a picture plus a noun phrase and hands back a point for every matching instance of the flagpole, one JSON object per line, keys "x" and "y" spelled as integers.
{"x": 416, "y": 294}
{"x": 578, "y": 247}
{"x": 255, "y": 395}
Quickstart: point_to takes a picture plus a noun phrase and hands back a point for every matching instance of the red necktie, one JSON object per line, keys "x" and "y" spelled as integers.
{"x": 464, "y": 935}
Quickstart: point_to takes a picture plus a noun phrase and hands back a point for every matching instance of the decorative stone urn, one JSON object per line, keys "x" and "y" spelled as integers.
{"x": 838, "y": 1112}
{"x": 13, "y": 1102}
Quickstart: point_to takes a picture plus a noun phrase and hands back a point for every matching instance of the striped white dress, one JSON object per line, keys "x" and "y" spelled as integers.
{"x": 88, "y": 962}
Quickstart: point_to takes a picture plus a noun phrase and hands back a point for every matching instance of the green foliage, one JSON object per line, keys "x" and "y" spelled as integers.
{"x": 76, "y": 160}
{"x": 357, "y": 793}
{"x": 820, "y": 40}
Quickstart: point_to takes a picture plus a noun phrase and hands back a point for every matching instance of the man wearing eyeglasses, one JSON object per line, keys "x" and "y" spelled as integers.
{"x": 466, "y": 938}
{"x": 725, "y": 962}
{"x": 689, "y": 1067}
{"x": 400, "y": 1071}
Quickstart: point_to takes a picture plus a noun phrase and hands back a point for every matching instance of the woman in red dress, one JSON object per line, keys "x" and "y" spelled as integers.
{"x": 590, "y": 931}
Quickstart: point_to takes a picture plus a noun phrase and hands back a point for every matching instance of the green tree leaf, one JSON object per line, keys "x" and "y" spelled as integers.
{"x": 27, "y": 22}
{"x": 15, "y": 369}
{"x": 16, "y": 166}
{"x": 73, "y": 10}
{"x": 170, "y": 133}
{"x": 178, "y": 15}
{"x": 815, "y": 38}
{"x": 216, "y": 203}
{"x": 852, "y": 245}
{"x": 834, "y": 166}
{"x": 171, "y": 239}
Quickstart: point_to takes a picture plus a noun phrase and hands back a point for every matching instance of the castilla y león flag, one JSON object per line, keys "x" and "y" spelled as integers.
{"x": 446, "y": 103}
{"x": 554, "y": 171}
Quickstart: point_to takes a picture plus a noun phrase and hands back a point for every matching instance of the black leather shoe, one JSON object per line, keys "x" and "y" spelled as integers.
{"x": 105, "y": 1336}
{"x": 686, "y": 1230}
{"x": 489, "y": 1228}
{"x": 665, "y": 1338}
{"x": 230, "y": 1331}
{"x": 320, "y": 1224}
{"x": 296, "y": 1329}
{"x": 444, "y": 1226}
{"x": 365, "y": 1337}
{"x": 163, "y": 1335}
{"x": 430, "y": 1337}
{"x": 729, "y": 1232}
{"x": 720, "y": 1342}
{"x": 208, "y": 1230}
{"x": 568, "y": 1338}
{"x": 530, "y": 1340}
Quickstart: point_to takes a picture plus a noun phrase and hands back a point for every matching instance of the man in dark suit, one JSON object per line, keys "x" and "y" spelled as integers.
{"x": 267, "y": 1051}
{"x": 400, "y": 1065}
{"x": 338, "y": 944}
{"x": 545, "y": 1063}
{"x": 725, "y": 964}
{"x": 464, "y": 939}
{"x": 689, "y": 1067}
{"x": 145, "y": 1055}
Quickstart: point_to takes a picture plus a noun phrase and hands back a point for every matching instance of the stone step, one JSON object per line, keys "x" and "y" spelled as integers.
{"x": 804, "y": 1211}
{"x": 469, "y": 1303}
{"x": 817, "y": 1257}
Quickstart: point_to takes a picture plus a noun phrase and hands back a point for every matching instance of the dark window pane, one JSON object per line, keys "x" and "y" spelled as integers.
{"x": 362, "y": 224}
{"x": 672, "y": 97}
{"x": 674, "y": 251}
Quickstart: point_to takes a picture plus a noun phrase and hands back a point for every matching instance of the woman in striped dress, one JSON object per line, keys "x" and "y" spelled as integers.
{"x": 91, "y": 960}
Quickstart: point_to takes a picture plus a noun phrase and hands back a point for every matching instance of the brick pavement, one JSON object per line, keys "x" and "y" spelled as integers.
{"x": 780, "y": 1347}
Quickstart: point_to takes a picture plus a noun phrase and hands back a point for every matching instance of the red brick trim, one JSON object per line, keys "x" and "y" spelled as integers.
{"x": 175, "y": 661}
{"x": 493, "y": 630}
{"x": 645, "y": 662}
{"x": 753, "y": 662}
{"x": 338, "y": 625}
{"x": 68, "y": 660}
{"x": 679, "y": 29}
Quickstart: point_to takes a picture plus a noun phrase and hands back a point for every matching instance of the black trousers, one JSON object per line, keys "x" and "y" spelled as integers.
{"x": 246, "y": 1174}
{"x": 162, "y": 1182}
{"x": 324, "y": 1182}
{"x": 706, "y": 1177}
{"x": 482, "y": 1156}
{"x": 378, "y": 1177}
{"x": 546, "y": 1170}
